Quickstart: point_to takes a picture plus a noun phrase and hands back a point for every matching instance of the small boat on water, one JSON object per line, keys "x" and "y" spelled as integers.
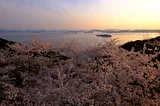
{"x": 104, "y": 35}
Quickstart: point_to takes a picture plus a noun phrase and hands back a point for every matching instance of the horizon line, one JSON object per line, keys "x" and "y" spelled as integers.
{"x": 71, "y": 29}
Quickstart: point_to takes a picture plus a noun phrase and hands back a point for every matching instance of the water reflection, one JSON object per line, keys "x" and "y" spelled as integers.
{"x": 84, "y": 39}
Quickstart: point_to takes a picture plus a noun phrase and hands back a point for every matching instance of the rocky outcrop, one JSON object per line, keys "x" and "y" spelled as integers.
{"x": 138, "y": 45}
{"x": 4, "y": 44}
{"x": 152, "y": 47}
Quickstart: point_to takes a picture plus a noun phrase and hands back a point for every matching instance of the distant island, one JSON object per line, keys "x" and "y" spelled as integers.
{"x": 104, "y": 35}
{"x": 86, "y": 31}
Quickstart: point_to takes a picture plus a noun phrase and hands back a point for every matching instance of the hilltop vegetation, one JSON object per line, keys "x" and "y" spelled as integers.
{"x": 42, "y": 74}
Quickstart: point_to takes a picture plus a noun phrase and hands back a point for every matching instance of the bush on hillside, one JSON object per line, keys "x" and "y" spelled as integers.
{"x": 110, "y": 76}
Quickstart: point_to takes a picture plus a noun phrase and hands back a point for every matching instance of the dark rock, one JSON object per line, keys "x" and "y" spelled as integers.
{"x": 150, "y": 48}
{"x": 4, "y": 44}
{"x": 139, "y": 44}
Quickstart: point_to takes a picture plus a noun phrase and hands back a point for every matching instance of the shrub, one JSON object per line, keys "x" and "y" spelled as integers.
{"x": 110, "y": 76}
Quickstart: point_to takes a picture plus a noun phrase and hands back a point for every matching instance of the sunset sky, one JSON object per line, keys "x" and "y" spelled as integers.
{"x": 79, "y": 14}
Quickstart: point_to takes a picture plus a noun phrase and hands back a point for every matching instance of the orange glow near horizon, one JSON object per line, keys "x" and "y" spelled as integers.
{"x": 137, "y": 14}
{"x": 80, "y": 14}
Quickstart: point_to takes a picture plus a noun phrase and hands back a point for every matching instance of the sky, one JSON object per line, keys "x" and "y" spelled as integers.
{"x": 79, "y": 14}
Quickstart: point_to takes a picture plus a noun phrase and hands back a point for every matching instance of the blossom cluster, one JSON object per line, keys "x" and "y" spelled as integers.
{"x": 37, "y": 75}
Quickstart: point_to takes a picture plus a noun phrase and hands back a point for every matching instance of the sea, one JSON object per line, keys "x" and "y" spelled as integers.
{"x": 82, "y": 38}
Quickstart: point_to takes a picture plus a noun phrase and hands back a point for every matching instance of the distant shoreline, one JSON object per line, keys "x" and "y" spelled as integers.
{"x": 84, "y": 31}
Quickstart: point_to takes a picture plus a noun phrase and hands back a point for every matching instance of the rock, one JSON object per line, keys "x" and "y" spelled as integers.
{"x": 139, "y": 44}
{"x": 4, "y": 44}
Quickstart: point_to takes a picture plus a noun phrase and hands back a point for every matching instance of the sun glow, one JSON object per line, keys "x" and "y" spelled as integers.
{"x": 137, "y": 14}
{"x": 154, "y": 6}
{"x": 80, "y": 14}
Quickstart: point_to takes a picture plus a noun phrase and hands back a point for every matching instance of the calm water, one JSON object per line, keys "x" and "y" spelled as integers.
{"x": 82, "y": 38}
